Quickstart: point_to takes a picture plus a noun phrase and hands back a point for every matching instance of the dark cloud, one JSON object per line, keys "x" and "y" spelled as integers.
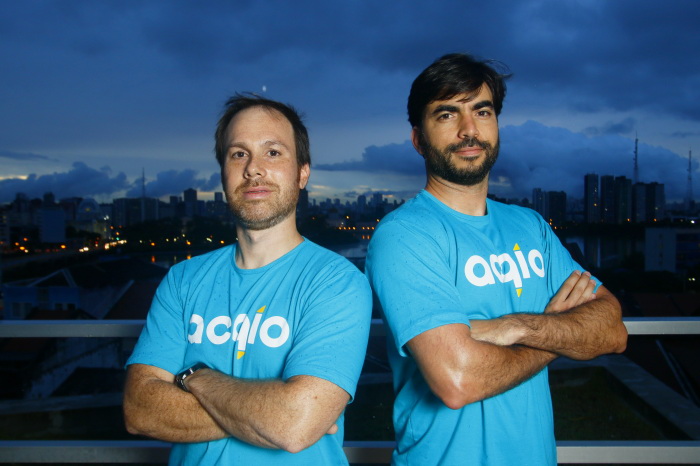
{"x": 84, "y": 181}
{"x": 392, "y": 158}
{"x": 174, "y": 182}
{"x": 626, "y": 127}
{"x": 685, "y": 134}
{"x": 556, "y": 159}
{"x": 79, "y": 181}
{"x": 24, "y": 156}
{"x": 148, "y": 77}
{"x": 537, "y": 156}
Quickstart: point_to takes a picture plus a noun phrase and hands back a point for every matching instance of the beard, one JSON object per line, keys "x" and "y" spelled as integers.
{"x": 261, "y": 214}
{"x": 441, "y": 164}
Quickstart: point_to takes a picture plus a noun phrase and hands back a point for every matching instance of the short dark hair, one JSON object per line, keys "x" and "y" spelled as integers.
{"x": 452, "y": 74}
{"x": 240, "y": 102}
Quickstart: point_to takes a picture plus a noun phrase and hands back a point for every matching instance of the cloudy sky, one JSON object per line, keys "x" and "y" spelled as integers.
{"x": 94, "y": 93}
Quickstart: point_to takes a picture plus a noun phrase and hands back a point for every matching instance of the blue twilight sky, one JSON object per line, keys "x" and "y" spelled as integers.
{"x": 94, "y": 92}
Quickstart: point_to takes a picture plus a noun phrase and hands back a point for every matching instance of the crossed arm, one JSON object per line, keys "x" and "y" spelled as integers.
{"x": 463, "y": 365}
{"x": 290, "y": 415}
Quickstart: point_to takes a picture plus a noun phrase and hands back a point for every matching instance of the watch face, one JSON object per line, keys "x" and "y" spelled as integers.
{"x": 180, "y": 378}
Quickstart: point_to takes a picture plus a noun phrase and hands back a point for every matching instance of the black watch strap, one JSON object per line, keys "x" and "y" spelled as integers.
{"x": 180, "y": 378}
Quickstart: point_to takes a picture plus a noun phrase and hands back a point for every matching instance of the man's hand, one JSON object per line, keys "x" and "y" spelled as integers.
{"x": 506, "y": 331}
{"x": 576, "y": 290}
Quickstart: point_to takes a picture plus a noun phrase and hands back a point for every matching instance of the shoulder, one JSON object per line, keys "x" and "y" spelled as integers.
{"x": 419, "y": 216}
{"x": 324, "y": 274}
{"x": 320, "y": 261}
{"x": 204, "y": 262}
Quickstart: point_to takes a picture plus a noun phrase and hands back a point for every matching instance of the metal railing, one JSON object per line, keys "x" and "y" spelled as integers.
{"x": 150, "y": 452}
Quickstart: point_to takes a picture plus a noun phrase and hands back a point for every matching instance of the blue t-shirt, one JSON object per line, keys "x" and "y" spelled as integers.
{"x": 306, "y": 313}
{"x": 429, "y": 266}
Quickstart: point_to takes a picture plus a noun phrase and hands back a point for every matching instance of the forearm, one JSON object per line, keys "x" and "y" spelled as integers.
{"x": 497, "y": 369}
{"x": 157, "y": 408}
{"x": 461, "y": 370}
{"x": 272, "y": 413}
{"x": 582, "y": 332}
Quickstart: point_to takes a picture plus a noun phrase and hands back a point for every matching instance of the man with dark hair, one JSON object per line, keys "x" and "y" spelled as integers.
{"x": 468, "y": 289}
{"x": 250, "y": 353}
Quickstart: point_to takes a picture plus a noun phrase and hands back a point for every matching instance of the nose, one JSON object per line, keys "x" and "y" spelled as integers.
{"x": 468, "y": 128}
{"x": 254, "y": 168}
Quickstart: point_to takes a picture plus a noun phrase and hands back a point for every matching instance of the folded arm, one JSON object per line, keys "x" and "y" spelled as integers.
{"x": 290, "y": 415}
{"x": 589, "y": 329}
{"x": 463, "y": 365}
{"x": 155, "y": 407}
{"x": 461, "y": 370}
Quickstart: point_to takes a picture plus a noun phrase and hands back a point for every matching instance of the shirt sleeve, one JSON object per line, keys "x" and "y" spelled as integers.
{"x": 413, "y": 281}
{"x": 334, "y": 330}
{"x": 163, "y": 338}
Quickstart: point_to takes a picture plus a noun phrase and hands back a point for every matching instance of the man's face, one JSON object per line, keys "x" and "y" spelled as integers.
{"x": 459, "y": 137}
{"x": 260, "y": 173}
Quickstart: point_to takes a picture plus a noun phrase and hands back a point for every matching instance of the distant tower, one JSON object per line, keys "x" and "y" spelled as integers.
{"x": 689, "y": 193}
{"x": 636, "y": 160}
{"x": 143, "y": 194}
{"x": 143, "y": 183}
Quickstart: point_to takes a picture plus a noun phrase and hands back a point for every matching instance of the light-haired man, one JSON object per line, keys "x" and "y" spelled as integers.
{"x": 250, "y": 353}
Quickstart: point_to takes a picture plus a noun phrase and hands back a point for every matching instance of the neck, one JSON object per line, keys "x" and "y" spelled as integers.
{"x": 469, "y": 200}
{"x": 257, "y": 248}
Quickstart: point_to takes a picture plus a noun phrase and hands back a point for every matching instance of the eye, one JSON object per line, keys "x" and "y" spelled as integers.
{"x": 483, "y": 113}
{"x": 444, "y": 116}
{"x": 274, "y": 153}
{"x": 237, "y": 154}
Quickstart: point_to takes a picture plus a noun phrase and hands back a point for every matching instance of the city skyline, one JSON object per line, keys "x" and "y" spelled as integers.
{"x": 102, "y": 92}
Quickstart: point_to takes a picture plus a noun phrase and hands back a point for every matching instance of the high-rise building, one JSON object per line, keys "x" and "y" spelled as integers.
{"x": 639, "y": 203}
{"x": 127, "y": 211}
{"x": 361, "y": 203}
{"x": 607, "y": 199}
{"x": 539, "y": 200}
{"x": 591, "y": 198}
{"x": 556, "y": 208}
{"x": 191, "y": 204}
{"x": 655, "y": 201}
{"x": 649, "y": 201}
{"x": 623, "y": 199}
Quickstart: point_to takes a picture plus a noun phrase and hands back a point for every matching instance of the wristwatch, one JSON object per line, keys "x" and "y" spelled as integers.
{"x": 180, "y": 378}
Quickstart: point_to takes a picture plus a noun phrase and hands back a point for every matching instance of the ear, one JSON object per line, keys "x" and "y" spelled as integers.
{"x": 415, "y": 139}
{"x": 304, "y": 173}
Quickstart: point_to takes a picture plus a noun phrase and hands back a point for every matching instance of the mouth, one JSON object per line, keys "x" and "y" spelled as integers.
{"x": 469, "y": 152}
{"x": 255, "y": 192}
{"x": 468, "y": 149}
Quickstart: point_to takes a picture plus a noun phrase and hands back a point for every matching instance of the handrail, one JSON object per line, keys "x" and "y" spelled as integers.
{"x": 132, "y": 328}
{"x": 153, "y": 451}
{"x": 150, "y": 452}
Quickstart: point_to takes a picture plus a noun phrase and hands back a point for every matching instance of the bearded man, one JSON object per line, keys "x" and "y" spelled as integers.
{"x": 468, "y": 290}
{"x": 250, "y": 353}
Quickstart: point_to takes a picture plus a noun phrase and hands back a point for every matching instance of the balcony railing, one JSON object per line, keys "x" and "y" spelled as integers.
{"x": 149, "y": 452}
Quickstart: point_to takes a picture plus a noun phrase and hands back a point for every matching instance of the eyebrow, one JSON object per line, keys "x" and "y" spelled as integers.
{"x": 454, "y": 109}
{"x": 445, "y": 108}
{"x": 267, "y": 143}
{"x": 482, "y": 104}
